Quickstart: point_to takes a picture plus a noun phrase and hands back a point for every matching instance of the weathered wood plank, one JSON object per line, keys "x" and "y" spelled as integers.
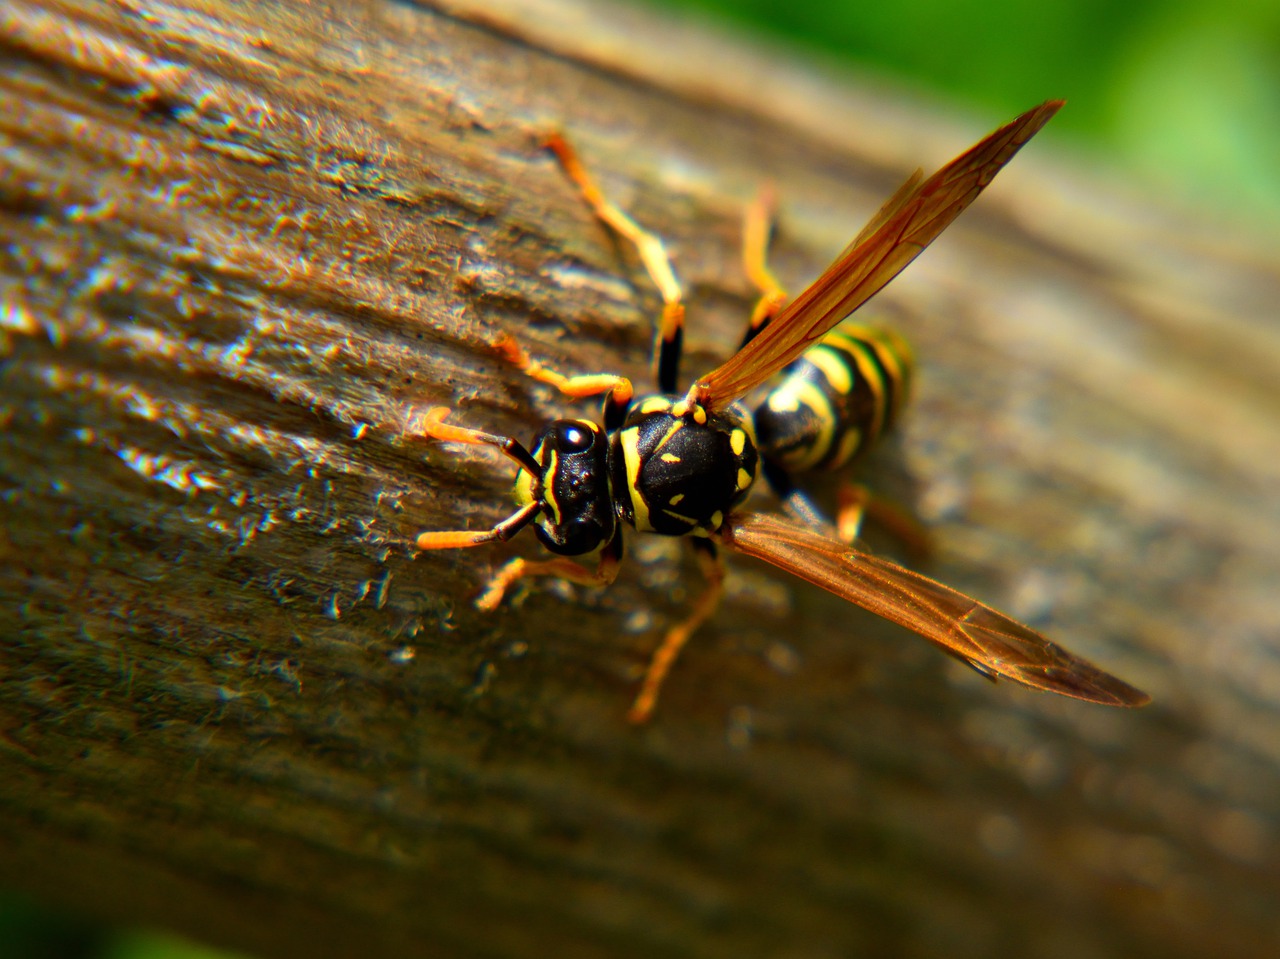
{"x": 246, "y": 245}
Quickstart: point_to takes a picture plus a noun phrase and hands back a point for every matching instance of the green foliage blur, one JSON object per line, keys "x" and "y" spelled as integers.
{"x": 31, "y": 931}
{"x": 1184, "y": 94}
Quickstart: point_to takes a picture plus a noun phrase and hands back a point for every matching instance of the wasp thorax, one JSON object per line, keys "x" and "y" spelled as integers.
{"x": 577, "y": 513}
{"x": 681, "y": 470}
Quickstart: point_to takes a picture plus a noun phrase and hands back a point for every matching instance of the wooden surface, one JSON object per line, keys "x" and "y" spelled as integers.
{"x": 244, "y": 246}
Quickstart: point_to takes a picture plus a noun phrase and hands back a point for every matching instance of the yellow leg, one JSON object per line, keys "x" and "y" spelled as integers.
{"x": 518, "y": 568}
{"x": 851, "y": 510}
{"x": 578, "y": 387}
{"x": 606, "y": 572}
{"x": 756, "y": 227}
{"x": 856, "y": 503}
{"x": 677, "y": 636}
{"x": 652, "y": 253}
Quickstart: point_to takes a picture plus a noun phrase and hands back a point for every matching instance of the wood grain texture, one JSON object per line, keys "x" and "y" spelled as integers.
{"x": 245, "y": 245}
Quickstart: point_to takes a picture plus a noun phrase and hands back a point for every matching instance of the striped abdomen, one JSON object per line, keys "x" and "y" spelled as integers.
{"x": 836, "y": 400}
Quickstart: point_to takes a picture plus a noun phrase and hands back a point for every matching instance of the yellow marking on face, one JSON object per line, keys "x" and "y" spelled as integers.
{"x": 744, "y": 479}
{"x": 738, "y": 441}
{"x": 524, "y": 488}
{"x": 675, "y": 500}
{"x": 630, "y": 440}
{"x": 655, "y": 404}
{"x": 717, "y": 518}
{"x": 684, "y": 519}
{"x": 670, "y": 458}
{"x": 549, "y": 488}
{"x": 589, "y": 425}
{"x": 833, "y": 367}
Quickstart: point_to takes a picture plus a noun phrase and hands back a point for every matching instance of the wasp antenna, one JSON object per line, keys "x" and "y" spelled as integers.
{"x": 521, "y": 457}
{"x": 500, "y": 533}
{"x": 433, "y": 425}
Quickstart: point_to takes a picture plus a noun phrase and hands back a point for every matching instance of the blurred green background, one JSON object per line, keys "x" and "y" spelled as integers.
{"x": 1184, "y": 94}
{"x": 30, "y": 931}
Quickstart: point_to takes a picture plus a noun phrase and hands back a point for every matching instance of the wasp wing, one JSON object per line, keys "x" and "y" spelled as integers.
{"x": 987, "y": 640}
{"x": 903, "y": 227}
{"x": 891, "y": 206}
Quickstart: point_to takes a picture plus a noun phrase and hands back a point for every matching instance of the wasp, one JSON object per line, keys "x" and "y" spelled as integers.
{"x": 683, "y": 465}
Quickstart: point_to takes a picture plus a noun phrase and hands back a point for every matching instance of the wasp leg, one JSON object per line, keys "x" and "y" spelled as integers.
{"x": 795, "y": 502}
{"x": 617, "y": 389}
{"x": 851, "y": 509}
{"x": 756, "y": 227}
{"x": 652, "y": 253}
{"x": 856, "y": 503}
{"x": 665, "y": 655}
{"x": 606, "y": 572}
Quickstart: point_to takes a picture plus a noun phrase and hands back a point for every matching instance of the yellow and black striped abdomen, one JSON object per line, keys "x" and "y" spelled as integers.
{"x": 836, "y": 400}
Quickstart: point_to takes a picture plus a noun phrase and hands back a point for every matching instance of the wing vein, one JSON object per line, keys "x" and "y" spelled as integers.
{"x": 985, "y": 638}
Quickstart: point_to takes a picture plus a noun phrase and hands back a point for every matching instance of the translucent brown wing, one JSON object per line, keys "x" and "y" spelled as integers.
{"x": 904, "y": 226}
{"x": 989, "y": 641}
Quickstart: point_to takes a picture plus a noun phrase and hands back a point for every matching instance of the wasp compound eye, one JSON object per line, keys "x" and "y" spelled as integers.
{"x": 572, "y": 438}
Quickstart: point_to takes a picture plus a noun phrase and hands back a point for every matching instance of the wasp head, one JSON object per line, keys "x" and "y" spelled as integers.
{"x": 577, "y": 514}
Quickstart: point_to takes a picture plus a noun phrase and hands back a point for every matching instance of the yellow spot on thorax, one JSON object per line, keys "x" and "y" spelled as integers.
{"x": 685, "y": 408}
{"x": 675, "y": 428}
